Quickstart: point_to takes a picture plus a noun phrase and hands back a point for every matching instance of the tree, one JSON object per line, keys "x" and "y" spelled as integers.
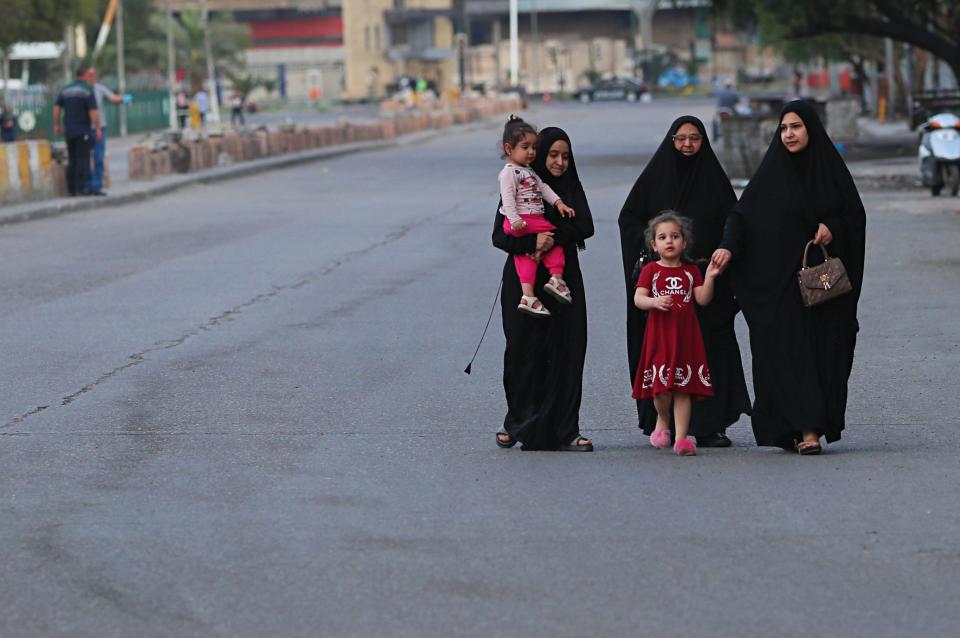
{"x": 931, "y": 25}
{"x": 38, "y": 20}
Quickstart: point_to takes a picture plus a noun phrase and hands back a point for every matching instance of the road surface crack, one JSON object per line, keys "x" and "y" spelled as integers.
{"x": 212, "y": 323}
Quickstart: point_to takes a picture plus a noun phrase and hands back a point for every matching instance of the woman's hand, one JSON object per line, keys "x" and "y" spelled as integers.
{"x": 564, "y": 210}
{"x": 823, "y": 236}
{"x": 663, "y": 303}
{"x": 544, "y": 242}
{"x": 720, "y": 260}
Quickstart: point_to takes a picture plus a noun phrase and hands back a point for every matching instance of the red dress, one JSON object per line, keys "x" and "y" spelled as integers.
{"x": 673, "y": 357}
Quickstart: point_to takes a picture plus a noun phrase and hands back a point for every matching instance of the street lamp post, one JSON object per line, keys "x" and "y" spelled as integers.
{"x": 212, "y": 91}
{"x": 171, "y": 67}
{"x": 514, "y": 45}
{"x": 121, "y": 69}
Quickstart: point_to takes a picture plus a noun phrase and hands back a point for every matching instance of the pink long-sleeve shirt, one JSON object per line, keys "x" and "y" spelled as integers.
{"x": 523, "y": 192}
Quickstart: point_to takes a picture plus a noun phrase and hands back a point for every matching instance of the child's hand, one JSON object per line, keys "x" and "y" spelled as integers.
{"x": 518, "y": 225}
{"x": 713, "y": 270}
{"x": 663, "y": 303}
{"x": 565, "y": 210}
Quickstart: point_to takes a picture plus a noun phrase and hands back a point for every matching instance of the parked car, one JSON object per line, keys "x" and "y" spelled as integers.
{"x": 677, "y": 78}
{"x": 627, "y": 89}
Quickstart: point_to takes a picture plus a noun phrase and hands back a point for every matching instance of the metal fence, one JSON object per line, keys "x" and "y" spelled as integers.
{"x": 149, "y": 111}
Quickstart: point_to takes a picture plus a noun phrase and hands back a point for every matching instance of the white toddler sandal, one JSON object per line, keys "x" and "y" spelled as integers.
{"x": 553, "y": 287}
{"x": 533, "y": 307}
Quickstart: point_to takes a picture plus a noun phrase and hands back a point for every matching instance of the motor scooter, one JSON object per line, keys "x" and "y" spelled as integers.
{"x": 939, "y": 153}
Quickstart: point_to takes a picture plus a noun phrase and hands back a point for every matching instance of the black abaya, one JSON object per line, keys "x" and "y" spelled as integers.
{"x": 543, "y": 360}
{"x": 802, "y": 357}
{"x": 698, "y": 188}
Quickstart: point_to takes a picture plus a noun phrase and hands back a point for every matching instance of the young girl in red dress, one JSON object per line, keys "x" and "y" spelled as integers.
{"x": 673, "y": 363}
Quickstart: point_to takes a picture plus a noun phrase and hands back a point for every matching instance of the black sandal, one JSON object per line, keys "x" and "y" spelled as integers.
{"x": 575, "y": 445}
{"x": 509, "y": 443}
{"x": 807, "y": 448}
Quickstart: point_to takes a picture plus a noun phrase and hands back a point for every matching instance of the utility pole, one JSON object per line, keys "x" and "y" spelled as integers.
{"x": 211, "y": 78}
{"x": 535, "y": 38}
{"x": 171, "y": 68}
{"x": 514, "y": 45}
{"x": 888, "y": 72}
{"x": 121, "y": 69}
{"x": 497, "y": 78}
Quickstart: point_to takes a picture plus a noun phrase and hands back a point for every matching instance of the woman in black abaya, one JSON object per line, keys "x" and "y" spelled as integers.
{"x": 543, "y": 361}
{"x": 802, "y": 357}
{"x": 684, "y": 175}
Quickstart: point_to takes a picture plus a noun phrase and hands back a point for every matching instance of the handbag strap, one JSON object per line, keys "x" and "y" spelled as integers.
{"x": 807, "y": 250}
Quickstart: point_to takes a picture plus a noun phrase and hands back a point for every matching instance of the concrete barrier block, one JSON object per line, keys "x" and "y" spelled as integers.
{"x": 25, "y": 171}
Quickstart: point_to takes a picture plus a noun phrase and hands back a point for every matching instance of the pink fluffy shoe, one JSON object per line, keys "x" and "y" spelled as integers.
{"x": 660, "y": 439}
{"x": 685, "y": 447}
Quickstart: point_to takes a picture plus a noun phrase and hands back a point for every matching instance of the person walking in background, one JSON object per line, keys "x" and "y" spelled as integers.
{"x": 80, "y": 128}
{"x": 236, "y": 109}
{"x": 183, "y": 108}
{"x": 8, "y": 124}
{"x": 203, "y": 103}
{"x": 100, "y": 93}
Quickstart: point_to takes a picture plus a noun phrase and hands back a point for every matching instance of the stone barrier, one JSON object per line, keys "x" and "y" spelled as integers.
{"x": 27, "y": 171}
{"x": 242, "y": 146}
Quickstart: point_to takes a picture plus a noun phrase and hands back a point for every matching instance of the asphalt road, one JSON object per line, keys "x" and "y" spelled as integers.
{"x": 239, "y": 410}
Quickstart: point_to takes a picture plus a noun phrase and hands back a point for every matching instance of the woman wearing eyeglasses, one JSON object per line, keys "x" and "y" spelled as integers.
{"x": 685, "y": 176}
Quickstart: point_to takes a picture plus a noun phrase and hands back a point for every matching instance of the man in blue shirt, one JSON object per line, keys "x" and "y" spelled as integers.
{"x": 81, "y": 126}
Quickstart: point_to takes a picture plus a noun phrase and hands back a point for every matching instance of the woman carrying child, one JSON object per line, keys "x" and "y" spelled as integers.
{"x": 685, "y": 175}
{"x": 673, "y": 365}
{"x": 543, "y": 360}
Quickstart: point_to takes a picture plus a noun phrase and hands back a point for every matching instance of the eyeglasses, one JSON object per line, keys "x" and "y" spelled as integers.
{"x": 684, "y": 138}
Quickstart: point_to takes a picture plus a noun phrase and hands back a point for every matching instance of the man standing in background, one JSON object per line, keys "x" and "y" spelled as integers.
{"x": 81, "y": 127}
{"x": 101, "y": 93}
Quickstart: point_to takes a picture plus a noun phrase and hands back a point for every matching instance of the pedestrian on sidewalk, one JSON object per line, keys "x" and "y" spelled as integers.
{"x": 685, "y": 175}
{"x": 544, "y": 358}
{"x": 102, "y": 93}
{"x": 8, "y": 124}
{"x": 80, "y": 128}
{"x": 203, "y": 104}
{"x": 236, "y": 109}
{"x": 802, "y": 357}
{"x": 183, "y": 108}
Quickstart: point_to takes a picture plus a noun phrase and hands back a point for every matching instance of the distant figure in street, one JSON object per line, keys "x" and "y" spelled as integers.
{"x": 8, "y": 124}
{"x": 203, "y": 103}
{"x": 101, "y": 93}
{"x": 802, "y": 357}
{"x": 543, "y": 362}
{"x": 673, "y": 368}
{"x": 522, "y": 194}
{"x": 727, "y": 97}
{"x": 236, "y": 109}
{"x": 685, "y": 175}
{"x": 183, "y": 108}
{"x": 80, "y": 128}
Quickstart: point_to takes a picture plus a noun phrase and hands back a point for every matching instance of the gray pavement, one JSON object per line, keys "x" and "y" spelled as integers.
{"x": 238, "y": 410}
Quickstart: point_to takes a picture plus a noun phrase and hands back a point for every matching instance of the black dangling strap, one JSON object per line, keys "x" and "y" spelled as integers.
{"x": 497, "y": 296}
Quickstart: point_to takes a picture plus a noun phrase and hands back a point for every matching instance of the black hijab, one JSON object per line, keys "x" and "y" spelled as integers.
{"x": 568, "y": 185}
{"x": 696, "y": 187}
{"x": 788, "y": 196}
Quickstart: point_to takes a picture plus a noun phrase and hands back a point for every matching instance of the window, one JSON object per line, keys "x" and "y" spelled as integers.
{"x": 376, "y": 37}
{"x": 366, "y": 37}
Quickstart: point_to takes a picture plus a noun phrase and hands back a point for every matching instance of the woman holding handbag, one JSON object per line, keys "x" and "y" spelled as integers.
{"x": 802, "y": 356}
{"x": 685, "y": 175}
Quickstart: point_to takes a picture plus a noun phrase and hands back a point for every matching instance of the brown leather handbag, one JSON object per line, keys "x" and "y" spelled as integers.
{"x": 824, "y": 282}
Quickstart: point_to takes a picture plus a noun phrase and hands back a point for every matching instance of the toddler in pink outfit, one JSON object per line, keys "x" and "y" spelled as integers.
{"x": 522, "y": 194}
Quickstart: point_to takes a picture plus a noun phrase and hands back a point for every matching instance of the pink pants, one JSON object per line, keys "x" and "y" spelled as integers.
{"x": 553, "y": 259}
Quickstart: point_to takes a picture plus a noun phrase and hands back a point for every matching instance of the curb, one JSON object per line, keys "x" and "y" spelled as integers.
{"x": 150, "y": 188}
